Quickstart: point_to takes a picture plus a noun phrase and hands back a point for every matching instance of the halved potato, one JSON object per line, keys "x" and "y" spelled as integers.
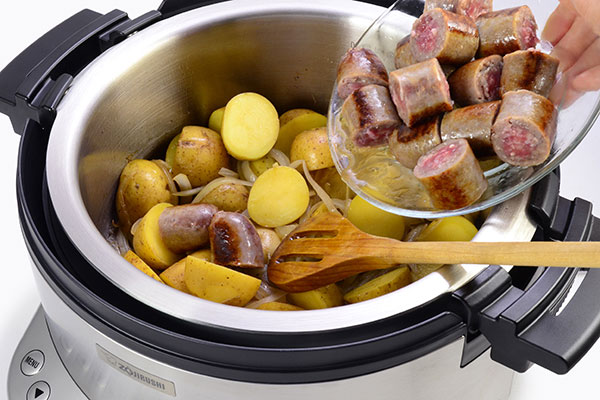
{"x": 219, "y": 284}
{"x": 147, "y": 242}
{"x": 278, "y": 197}
{"x": 295, "y": 121}
{"x": 323, "y": 297}
{"x": 375, "y": 221}
{"x": 379, "y": 286}
{"x": 137, "y": 262}
{"x": 250, "y": 126}
{"x": 450, "y": 229}
{"x": 174, "y": 276}
{"x": 215, "y": 121}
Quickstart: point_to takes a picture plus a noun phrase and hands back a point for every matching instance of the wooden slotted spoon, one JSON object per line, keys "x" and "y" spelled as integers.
{"x": 328, "y": 248}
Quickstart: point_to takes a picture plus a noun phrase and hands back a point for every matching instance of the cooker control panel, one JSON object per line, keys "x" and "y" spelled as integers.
{"x": 36, "y": 372}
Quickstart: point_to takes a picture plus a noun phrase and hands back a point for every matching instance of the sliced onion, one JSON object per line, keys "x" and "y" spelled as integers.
{"x": 246, "y": 172}
{"x": 320, "y": 191}
{"x": 184, "y": 186}
{"x": 134, "y": 226}
{"x": 120, "y": 242}
{"x": 190, "y": 192}
{"x": 283, "y": 231}
{"x": 226, "y": 172}
{"x": 167, "y": 171}
{"x": 280, "y": 157}
{"x": 212, "y": 185}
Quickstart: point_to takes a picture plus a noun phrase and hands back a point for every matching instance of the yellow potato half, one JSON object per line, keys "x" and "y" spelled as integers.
{"x": 148, "y": 243}
{"x": 379, "y": 286}
{"x": 141, "y": 265}
{"x": 215, "y": 121}
{"x": 295, "y": 121}
{"x": 219, "y": 284}
{"x": 174, "y": 276}
{"x": 450, "y": 229}
{"x": 278, "y": 197}
{"x": 312, "y": 146}
{"x": 323, "y": 297}
{"x": 250, "y": 126}
{"x": 375, "y": 221}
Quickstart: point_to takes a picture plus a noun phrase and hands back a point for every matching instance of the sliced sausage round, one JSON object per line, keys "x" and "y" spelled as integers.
{"x": 403, "y": 56}
{"x": 473, "y": 123}
{"x": 409, "y": 144}
{"x": 420, "y": 91}
{"x": 452, "y": 175}
{"x": 525, "y": 128}
{"x": 234, "y": 241}
{"x": 477, "y": 82}
{"x": 369, "y": 117}
{"x": 448, "y": 5}
{"x": 474, "y": 8}
{"x": 185, "y": 228}
{"x": 530, "y": 70}
{"x": 449, "y": 37}
{"x": 359, "y": 67}
{"x": 505, "y": 31}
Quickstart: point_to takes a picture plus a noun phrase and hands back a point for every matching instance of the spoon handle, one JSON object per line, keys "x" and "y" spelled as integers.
{"x": 551, "y": 254}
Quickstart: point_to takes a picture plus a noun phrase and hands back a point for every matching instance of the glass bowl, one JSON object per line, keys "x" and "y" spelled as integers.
{"x": 378, "y": 178}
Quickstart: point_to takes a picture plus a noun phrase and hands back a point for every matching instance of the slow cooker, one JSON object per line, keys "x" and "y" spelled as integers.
{"x": 99, "y": 90}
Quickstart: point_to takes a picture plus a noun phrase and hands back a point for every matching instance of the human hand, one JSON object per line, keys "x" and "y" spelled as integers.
{"x": 574, "y": 30}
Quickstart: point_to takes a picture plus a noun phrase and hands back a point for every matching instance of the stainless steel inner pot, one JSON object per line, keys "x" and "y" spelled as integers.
{"x": 138, "y": 95}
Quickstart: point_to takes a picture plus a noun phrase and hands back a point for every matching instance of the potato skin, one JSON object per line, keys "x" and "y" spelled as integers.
{"x": 269, "y": 240}
{"x": 312, "y": 146}
{"x": 200, "y": 154}
{"x": 219, "y": 284}
{"x": 228, "y": 197}
{"x": 142, "y": 185}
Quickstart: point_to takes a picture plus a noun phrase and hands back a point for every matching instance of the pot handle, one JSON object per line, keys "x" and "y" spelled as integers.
{"x": 533, "y": 325}
{"x": 33, "y": 84}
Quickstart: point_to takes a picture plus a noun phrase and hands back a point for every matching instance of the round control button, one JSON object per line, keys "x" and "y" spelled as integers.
{"x": 32, "y": 363}
{"x": 39, "y": 391}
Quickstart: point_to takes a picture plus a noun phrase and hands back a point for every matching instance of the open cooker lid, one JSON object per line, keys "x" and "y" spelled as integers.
{"x": 70, "y": 152}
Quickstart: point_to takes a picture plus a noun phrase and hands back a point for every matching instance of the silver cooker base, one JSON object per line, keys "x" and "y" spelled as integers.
{"x": 82, "y": 363}
{"x": 435, "y": 376}
{"x": 52, "y": 381}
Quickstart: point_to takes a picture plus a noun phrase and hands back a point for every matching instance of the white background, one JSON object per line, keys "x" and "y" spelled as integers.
{"x": 22, "y": 22}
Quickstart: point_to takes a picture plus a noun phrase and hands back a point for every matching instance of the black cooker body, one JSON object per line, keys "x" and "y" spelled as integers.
{"x": 515, "y": 313}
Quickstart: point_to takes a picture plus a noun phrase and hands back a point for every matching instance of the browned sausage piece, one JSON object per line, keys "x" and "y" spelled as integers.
{"x": 448, "y": 5}
{"x": 474, "y": 8}
{"x": 473, "y": 123}
{"x": 477, "y": 82}
{"x": 530, "y": 70}
{"x": 505, "y": 31}
{"x": 451, "y": 174}
{"x": 409, "y": 144}
{"x": 420, "y": 91}
{"x": 449, "y": 37}
{"x": 403, "y": 56}
{"x": 234, "y": 241}
{"x": 525, "y": 129}
{"x": 369, "y": 116}
{"x": 359, "y": 67}
{"x": 185, "y": 228}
